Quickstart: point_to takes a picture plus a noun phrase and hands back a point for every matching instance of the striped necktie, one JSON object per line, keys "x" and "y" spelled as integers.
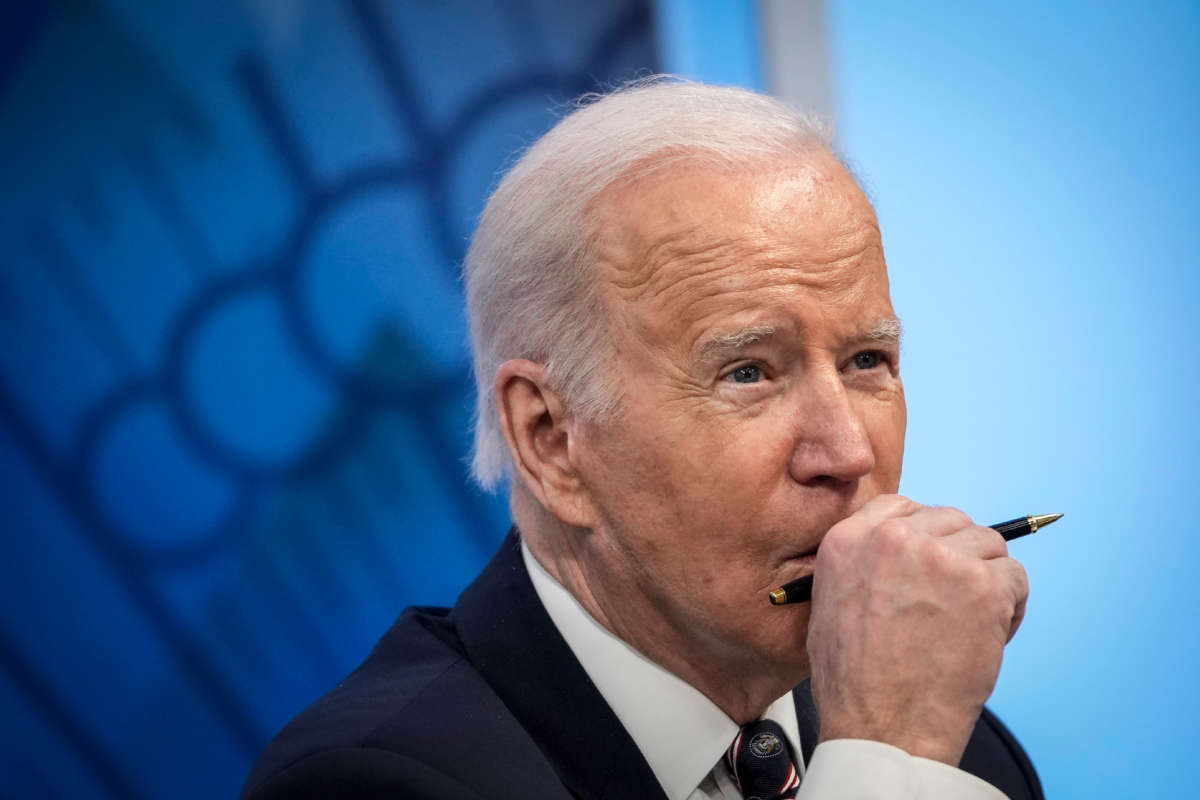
{"x": 761, "y": 762}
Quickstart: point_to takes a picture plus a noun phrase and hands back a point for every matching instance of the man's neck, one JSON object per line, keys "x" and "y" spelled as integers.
{"x": 736, "y": 683}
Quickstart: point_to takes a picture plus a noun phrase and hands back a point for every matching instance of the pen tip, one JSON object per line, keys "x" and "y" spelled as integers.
{"x": 1042, "y": 520}
{"x": 779, "y": 597}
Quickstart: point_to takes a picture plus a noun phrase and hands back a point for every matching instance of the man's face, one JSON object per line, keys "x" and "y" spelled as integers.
{"x": 762, "y": 403}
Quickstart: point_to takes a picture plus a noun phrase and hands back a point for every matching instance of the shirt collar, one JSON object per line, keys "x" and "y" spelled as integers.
{"x": 680, "y": 732}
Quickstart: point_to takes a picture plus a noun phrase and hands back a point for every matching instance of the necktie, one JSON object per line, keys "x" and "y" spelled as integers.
{"x": 761, "y": 762}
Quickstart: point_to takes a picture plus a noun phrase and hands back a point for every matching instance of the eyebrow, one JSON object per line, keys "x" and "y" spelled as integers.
{"x": 732, "y": 341}
{"x": 886, "y": 332}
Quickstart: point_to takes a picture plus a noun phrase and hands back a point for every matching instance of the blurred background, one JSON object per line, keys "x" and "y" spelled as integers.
{"x": 234, "y": 388}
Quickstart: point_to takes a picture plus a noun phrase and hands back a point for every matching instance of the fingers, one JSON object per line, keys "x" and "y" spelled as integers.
{"x": 903, "y": 517}
{"x": 1018, "y": 582}
{"x": 977, "y": 541}
{"x": 911, "y": 610}
{"x": 1002, "y": 578}
{"x": 935, "y": 521}
{"x": 884, "y": 507}
{"x": 893, "y": 522}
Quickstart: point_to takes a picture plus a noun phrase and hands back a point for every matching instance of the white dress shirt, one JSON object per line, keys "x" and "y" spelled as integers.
{"x": 683, "y": 735}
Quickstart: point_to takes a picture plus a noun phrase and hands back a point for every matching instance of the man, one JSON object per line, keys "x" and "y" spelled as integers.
{"x": 688, "y": 369}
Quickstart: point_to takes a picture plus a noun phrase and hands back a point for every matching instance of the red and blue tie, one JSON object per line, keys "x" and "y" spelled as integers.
{"x": 761, "y": 762}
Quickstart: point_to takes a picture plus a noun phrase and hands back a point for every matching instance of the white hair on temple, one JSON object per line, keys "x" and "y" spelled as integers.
{"x": 529, "y": 284}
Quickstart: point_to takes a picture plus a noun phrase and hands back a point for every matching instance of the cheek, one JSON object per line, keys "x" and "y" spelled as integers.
{"x": 887, "y": 420}
{"x": 672, "y": 449}
{"x": 889, "y": 435}
{"x": 672, "y": 489}
{"x": 630, "y": 468}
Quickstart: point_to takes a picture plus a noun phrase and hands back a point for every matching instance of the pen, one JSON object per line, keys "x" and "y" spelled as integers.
{"x": 800, "y": 590}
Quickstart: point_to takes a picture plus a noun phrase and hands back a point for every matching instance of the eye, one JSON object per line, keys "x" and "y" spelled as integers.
{"x": 747, "y": 373}
{"x": 868, "y": 359}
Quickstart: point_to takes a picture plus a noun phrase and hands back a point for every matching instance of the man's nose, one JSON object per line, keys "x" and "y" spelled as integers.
{"x": 831, "y": 440}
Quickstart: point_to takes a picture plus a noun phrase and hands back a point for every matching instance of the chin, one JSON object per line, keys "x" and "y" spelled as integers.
{"x": 791, "y": 668}
{"x": 786, "y": 650}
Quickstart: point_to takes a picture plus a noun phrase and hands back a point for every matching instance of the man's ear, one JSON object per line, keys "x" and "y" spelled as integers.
{"x": 535, "y": 424}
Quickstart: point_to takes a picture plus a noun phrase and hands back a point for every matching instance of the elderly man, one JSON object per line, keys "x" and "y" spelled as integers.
{"x": 689, "y": 375}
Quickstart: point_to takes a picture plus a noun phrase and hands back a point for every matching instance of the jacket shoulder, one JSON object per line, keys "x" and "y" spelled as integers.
{"x": 360, "y": 773}
{"x": 995, "y": 755}
{"x": 416, "y": 719}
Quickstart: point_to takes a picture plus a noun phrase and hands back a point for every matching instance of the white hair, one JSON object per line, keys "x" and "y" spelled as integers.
{"x": 529, "y": 284}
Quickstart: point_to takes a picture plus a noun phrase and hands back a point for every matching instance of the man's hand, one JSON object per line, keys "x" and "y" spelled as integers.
{"x": 911, "y": 609}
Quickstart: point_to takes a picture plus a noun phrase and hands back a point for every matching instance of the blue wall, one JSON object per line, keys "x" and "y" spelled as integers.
{"x": 1036, "y": 168}
{"x": 234, "y": 390}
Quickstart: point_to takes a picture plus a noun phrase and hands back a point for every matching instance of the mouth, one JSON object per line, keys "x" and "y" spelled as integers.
{"x": 791, "y": 567}
{"x": 805, "y": 560}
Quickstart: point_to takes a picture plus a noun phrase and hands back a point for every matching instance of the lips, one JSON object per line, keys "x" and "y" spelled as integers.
{"x": 807, "y": 559}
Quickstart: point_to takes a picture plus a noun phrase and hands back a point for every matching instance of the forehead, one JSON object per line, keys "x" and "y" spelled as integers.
{"x": 690, "y": 248}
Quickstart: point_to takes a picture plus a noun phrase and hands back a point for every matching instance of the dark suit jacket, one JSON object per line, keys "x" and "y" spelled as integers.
{"x": 487, "y": 701}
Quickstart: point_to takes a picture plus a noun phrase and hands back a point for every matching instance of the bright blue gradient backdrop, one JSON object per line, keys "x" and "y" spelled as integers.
{"x": 1036, "y": 169}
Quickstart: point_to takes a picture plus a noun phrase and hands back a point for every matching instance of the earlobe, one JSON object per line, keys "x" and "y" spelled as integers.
{"x": 537, "y": 427}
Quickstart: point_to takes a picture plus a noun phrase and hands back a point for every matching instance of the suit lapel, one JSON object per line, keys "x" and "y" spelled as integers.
{"x": 511, "y": 640}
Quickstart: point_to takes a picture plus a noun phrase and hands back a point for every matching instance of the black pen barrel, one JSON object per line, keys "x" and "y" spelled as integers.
{"x": 1014, "y": 528}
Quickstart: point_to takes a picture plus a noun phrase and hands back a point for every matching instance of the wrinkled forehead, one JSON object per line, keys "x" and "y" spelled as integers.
{"x": 691, "y": 231}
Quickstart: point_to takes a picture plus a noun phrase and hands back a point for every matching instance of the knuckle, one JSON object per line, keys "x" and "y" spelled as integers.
{"x": 898, "y": 502}
{"x": 1022, "y": 579}
{"x": 993, "y": 539}
{"x": 891, "y": 535}
{"x": 944, "y": 560}
{"x": 979, "y": 575}
{"x": 831, "y": 549}
{"x": 838, "y": 538}
{"x": 958, "y": 515}
{"x": 840, "y": 530}
{"x": 892, "y": 505}
{"x": 976, "y": 579}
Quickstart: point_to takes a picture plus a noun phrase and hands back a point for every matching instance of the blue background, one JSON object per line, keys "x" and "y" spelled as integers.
{"x": 234, "y": 392}
{"x": 1036, "y": 169}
